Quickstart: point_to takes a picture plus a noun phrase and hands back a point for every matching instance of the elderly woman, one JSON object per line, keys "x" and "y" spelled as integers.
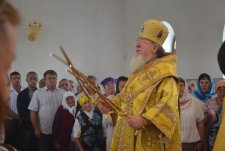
{"x": 87, "y": 131}
{"x": 192, "y": 124}
{"x": 214, "y": 108}
{"x": 64, "y": 121}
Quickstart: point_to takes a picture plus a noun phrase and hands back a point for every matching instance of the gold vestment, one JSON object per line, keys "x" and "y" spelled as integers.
{"x": 151, "y": 92}
{"x": 219, "y": 143}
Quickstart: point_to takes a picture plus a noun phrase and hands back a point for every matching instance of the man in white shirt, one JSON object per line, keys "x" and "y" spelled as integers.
{"x": 43, "y": 107}
{"x": 15, "y": 79}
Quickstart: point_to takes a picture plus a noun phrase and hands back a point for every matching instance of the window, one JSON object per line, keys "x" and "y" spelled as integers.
{"x": 223, "y": 41}
{"x": 170, "y": 44}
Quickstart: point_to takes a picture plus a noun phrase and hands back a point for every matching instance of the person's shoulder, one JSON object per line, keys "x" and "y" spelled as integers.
{"x": 168, "y": 80}
{"x": 60, "y": 109}
{"x": 3, "y": 148}
{"x": 59, "y": 90}
{"x": 212, "y": 100}
{"x": 24, "y": 91}
{"x": 22, "y": 88}
{"x": 198, "y": 103}
{"x": 41, "y": 90}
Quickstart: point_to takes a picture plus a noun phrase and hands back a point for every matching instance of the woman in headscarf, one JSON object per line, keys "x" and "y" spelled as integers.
{"x": 204, "y": 90}
{"x": 215, "y": 108}
{"x": 204, "y": 93}
{"x": 64, "y": 121}
{"x": 87, "y": 131}
{"x": 192, "y": 124}
{"x": 121, "y": 81}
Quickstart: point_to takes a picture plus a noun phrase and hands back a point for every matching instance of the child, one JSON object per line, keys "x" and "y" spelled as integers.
{"x": 64, "y": 121}
{"x": 88, "y": 131}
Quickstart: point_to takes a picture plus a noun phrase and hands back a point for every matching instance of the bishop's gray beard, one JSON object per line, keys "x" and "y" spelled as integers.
{"x": 137, "y": 62}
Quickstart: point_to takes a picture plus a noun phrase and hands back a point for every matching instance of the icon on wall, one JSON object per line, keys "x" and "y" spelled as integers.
{"x": 34, "y": 29}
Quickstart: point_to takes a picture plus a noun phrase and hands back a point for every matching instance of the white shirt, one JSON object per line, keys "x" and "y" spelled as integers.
{"x": 77, "y": 127}
{"x": 72, "y": 134}
{"x": 46, "y": 103}
{"x": 191, "y": 113}
{"x": 108, "y": 127}
{"x": 13, "y": 100}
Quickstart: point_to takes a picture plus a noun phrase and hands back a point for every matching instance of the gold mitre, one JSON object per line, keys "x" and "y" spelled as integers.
{"x": 154, "y": 30}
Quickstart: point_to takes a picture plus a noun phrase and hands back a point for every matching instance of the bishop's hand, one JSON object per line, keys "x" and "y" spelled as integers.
{"x": 136, "y": 122}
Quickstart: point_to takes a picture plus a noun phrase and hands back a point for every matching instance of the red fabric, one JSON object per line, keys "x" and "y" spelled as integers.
{"x": 62, "y": 127}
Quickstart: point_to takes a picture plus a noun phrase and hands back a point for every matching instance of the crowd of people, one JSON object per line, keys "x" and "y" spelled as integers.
{"x": 59, "y": 117}
{"x": 200, "y": 113}
{"x": 161, "y": 112}
{"x": 63, "y": 118}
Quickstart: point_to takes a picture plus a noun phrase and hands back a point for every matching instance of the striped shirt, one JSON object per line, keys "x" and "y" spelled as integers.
{"x": 46, "y": 103}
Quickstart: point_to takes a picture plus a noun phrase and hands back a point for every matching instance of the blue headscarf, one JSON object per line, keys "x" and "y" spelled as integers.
{"x": 198, "y": 92}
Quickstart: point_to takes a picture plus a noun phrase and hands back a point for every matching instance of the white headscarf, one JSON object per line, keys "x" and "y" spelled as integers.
{"x": 72, "y": 110}
{"x": 186, "y": 95}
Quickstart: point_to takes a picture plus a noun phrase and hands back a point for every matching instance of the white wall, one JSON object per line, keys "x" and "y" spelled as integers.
{"x": 98, "y": 34}
{"x": 90, "y": 30}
